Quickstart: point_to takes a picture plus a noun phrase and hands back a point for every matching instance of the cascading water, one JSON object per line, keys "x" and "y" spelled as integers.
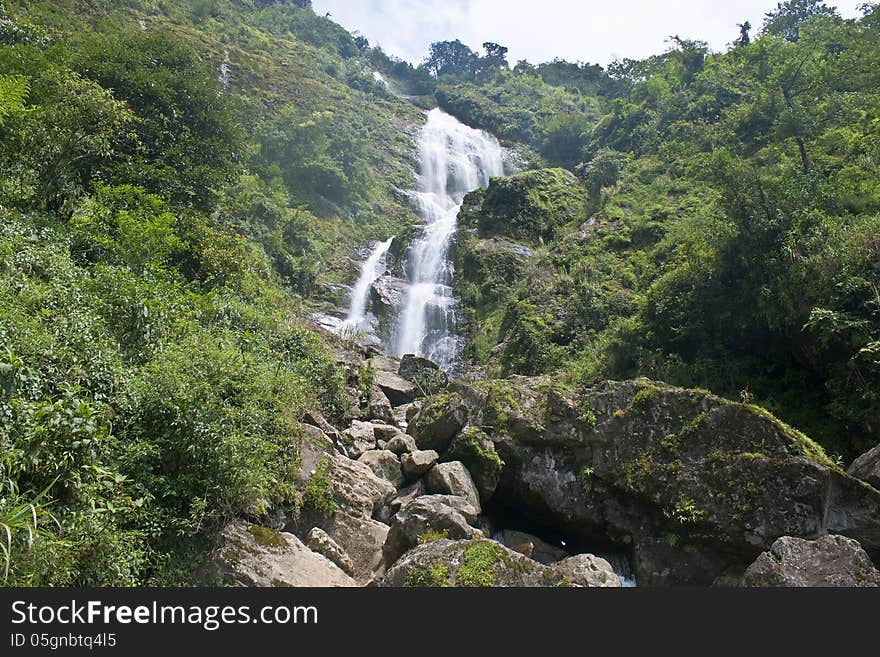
{"x": 372, "y": 269}
{"x": 455, "y": 160}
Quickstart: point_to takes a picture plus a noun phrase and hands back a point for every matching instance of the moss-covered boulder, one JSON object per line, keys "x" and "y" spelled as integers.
{"x": 438, "y": 421}
{"x": 426, "y": 518}
{"x": 532, "y": 206}
{"x": 695, "y": 485}
{"x": 484, "y": 563}
{"x": 475, "y": 449}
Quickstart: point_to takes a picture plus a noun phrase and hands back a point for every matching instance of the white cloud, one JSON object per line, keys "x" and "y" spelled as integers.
{"x": 539, "y": 30}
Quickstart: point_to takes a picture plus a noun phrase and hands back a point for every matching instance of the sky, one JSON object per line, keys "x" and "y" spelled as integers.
{"x": 540, "y": 30}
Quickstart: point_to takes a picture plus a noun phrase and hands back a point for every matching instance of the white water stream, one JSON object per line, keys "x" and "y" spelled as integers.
{"x": 371, "y": 270}
{"x": 455, "y": 160}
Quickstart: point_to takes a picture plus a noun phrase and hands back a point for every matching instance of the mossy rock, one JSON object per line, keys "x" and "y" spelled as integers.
{"x": 532, "y": 206}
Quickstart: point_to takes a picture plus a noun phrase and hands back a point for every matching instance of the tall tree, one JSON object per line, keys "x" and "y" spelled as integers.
{"x": 788, "y": 17}
{"x": 451, "y": 58}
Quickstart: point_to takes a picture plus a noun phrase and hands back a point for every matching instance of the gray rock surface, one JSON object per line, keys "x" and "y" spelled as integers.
{"x": 402, "y": 444}
{"x": 320, "y": 541}
{"x": 453, "y": 479}
{"x": 830, "y": 561}
{"x": 438, "y": 421}
{"x": 416, "y": 464}
{"x": 254, "y": 556}
{"x": 384, "y": 465}
{"x": 586, "y": 570}
{"x": 867, "y": 467}
{"x": 422, "y": 517}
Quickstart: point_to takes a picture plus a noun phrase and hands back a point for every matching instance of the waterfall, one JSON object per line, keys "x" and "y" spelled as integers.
{"x": 454, "y": 160}
{"x": 372, "y": 269}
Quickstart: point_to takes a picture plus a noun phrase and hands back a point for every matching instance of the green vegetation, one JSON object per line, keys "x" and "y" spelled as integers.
{"x": 478, "y": 562}
{"x": 433, "y": 535}
{"x": 318, "y": 496}
{"x": 153, "y": 369}
{"x": 727, "y": 233}
{"x": 474, "y": 447}
{"x": 435, "y": 576}
{"x": 266, "y": 537}
{"x": 707, "y": 219}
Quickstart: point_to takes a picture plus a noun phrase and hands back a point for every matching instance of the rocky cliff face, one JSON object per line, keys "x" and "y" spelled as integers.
{"x": 695, "y": 489}
{"x": 696, "y": 485}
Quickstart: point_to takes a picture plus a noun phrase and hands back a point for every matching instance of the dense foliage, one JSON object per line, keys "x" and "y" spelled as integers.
{"x": 153, "y": 371}
{"x": 730, "y": 236}
{"x": 181, "y": 182}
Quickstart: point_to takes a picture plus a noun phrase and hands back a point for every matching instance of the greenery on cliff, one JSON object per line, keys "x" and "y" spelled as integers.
{"x": 162, "y": 220}
{"x": 180, "y": 183}
{"x": 730, "y": 235}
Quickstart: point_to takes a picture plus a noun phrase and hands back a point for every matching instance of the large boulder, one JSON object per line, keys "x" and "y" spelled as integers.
{"x": 476, "y": 450}
{"x": 398, "y": 390}
{"x": 356, "y": 489}
{"x": 402, "y": 444}
{"x": 867, "y": 467}
{"x": 380, "y": 406}
{"x": 384, "y": 465}
{"x": 828, "y": 561}
{"x": 438, "y": 422}
{"x": 453, "y": 479}
{"x": 255, "y": 556}
{"x": 532, "y": 546}
{"x": 424, "y": 518}
{"x": 404, "y": 497}
{"x": 697, "y": 486}
{"x": 416, "y": 464}
{"x": 423, "y": 372}
{"x": 359, "y": 438}
{"x": 484, "y": 563}
{"x": 362, "y": 539}
{"x": 387, "y": 295}
{"x": 586, "y": 570}
{"x": 343, "y": 499}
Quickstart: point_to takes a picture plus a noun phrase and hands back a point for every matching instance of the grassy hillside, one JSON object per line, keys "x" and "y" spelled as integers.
{"x": 163, "y": 232}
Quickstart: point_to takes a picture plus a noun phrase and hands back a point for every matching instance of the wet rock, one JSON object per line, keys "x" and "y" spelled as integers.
{"x": 830, "y": 561}
{"x": 250, "y": 555}
{"x": 387, "y": 295}
{"x": 418, "y": 463}
{"x": 453, "y": 479}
